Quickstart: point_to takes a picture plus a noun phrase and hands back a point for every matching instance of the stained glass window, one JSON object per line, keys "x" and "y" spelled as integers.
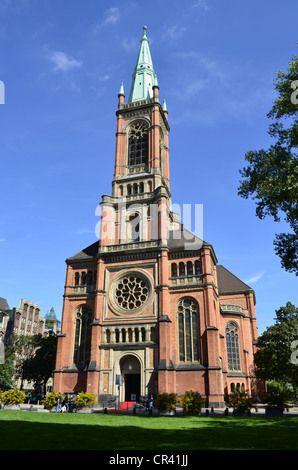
{"x": 82, "y": 337}
{"x": 232, "y": 341}
{"x": 188, "y": 330}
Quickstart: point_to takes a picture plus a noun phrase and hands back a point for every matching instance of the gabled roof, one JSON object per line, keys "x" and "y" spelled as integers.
{"x": 228, "y": 282}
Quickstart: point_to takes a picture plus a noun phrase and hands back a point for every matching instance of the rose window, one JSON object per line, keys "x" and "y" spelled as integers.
{"x": 131, "y": 292}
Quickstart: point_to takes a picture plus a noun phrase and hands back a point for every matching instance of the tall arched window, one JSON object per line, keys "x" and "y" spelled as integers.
{"x": 138, "y": 144}
{"x": 188, "y": 330}
{"x": 82, "y": 339}
{"x": 232, "y": 342}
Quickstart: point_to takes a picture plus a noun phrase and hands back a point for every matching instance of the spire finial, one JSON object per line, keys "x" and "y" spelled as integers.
{"x": 165, "y": 106}
{"x": 145, "y": 31}
{"x": 121, "y": 91}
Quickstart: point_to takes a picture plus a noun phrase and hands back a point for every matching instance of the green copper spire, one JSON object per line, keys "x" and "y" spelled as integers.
{"x": 144, "y": 76}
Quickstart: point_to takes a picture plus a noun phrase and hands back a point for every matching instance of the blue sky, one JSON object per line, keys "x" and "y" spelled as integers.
{"x": 62, "y": 62}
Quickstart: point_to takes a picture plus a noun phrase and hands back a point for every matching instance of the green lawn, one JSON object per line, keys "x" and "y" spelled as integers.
{"x": 50, "y": 431}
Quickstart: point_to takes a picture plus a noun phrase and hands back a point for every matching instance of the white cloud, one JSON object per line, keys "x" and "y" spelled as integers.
{"x": 255, "y": 278}
{"x": 63, "y": 62}
{"x": 250, "y": 94}
{"x": 208, "y": 65}
{"x": 200, "y": 4}
{"x": 104, "y": 78}
{"x": 112, "y": 15}
{"x": 129, "y": 44}
{"x": 173, "y": 32}
{"x": 194, "y": 87}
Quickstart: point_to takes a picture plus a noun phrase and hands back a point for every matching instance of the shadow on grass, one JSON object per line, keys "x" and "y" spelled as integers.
{"x": 99, "y": 432}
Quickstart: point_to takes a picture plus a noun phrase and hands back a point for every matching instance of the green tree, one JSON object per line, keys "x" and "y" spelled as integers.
{"x": 7, "y": 369}
{"x": 273, "y": 358}
{"x": 39, "y": 368}
{"x": 166, "y": 401}
{"x": 24, "y": 349}
{"x": 271, "y": 178}
{"x": 192, "y": 401}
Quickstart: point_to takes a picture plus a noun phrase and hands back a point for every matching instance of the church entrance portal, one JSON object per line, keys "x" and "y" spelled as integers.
{"x": 131, "y": 373}
{"x": 132, "y": 387}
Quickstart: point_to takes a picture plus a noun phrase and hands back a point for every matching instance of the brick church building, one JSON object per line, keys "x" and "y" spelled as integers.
{"x": 147, "y": 303}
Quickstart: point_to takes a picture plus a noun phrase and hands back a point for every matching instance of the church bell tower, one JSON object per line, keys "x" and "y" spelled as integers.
{"x": 139, "y": 208}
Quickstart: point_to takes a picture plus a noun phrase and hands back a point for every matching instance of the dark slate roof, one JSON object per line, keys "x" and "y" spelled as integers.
{"x": 87, "y": 253}
{"x": 228, "y": 282}
{"x": 184, "y": 239}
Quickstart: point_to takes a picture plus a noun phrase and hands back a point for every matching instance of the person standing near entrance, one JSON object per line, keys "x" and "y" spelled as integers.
{"x": 151, "y": 404}
{"x": 65, "y": 402}
{"x": 59, "y": 403}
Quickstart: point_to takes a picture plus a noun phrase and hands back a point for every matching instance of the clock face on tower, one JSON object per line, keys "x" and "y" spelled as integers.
{"x": 130, "y": 292}
{"x": 138, "y": 130}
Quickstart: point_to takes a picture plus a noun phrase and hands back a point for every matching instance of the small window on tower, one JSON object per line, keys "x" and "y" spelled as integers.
{"x": 134, "y": 227}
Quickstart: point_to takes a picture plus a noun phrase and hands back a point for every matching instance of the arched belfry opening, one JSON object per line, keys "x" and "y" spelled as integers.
{"x": 130, "y": 368}
{"x": 138, "y": 143}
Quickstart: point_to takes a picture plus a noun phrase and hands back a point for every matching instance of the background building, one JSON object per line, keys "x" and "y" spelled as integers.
{"x": 4, "y": 316}
{"x": 25, "y": 320}
{"x": 148, "y": 302}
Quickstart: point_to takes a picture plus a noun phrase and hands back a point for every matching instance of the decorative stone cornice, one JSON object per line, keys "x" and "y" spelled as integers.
{"x": 231, "y": 309}
{"x": 142, "y": 245}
